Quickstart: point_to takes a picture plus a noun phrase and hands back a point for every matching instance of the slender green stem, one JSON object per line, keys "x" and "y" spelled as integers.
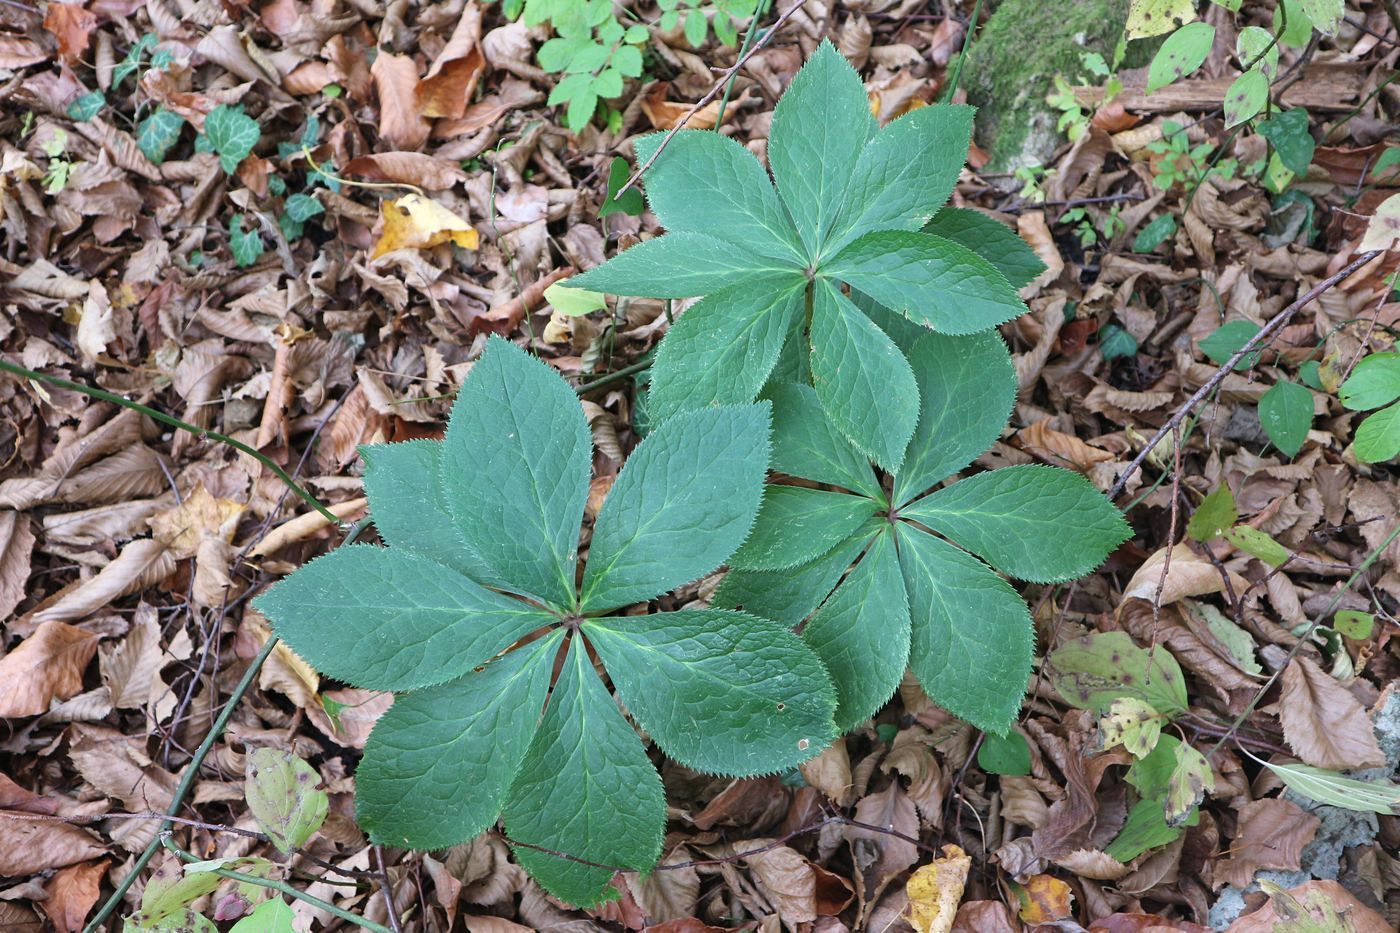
{"x": 952, "y": 87}
{"x": 610, "y": 378}
{"x": 280, "y": 886}
{"x": 758, "y": 14}
{"x": 163, "y": 418}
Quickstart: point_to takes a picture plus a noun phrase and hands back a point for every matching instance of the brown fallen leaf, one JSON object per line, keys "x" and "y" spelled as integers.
{"x": 72, "y": 26}
{"x": 140, "y": 564}
{"x": 935, "y": 889}
{"x": 1143, "y": 923}
{"x": 410, "y": 168}
{"x": 400, "y": 123}
{"x": 1044, "y": 899}
{"x": 1324, "y": 724}
{"x": 665, "y": 114}
{"x": 451, "y": 81}
{"x": 71, "y": 893}
{"x": 1059, "y": 449}
{"x": 47, "y": 666}
{"x": 1189, "y": 574}
{"x": 199, "y": 516}
{"x": 1271, "y": 833}
{"x": 29, "y": 846}
{"x": 985, "y": 917}
{"x": 16, "y": 551}
{"x": 1324, "y": 906}
{"x": 415, "y": 222}
{"x": 19, "y": 52}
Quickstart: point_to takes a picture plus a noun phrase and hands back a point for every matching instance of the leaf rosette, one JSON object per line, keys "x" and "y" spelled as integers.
{"x": 906, "y": 573}
{"x": 477, "y": 616}
{"x": 790, "y": 266}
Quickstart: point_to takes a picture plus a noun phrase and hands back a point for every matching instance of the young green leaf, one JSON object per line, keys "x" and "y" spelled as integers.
{"x": 948, "y": 589}
{"x": 409, "y": 783}
{"x": 283, "y": 797}
{"x": 683, "y": 502}
{"x": 232, "y": 134}
{"x": 271, "y": 916}
{"x": 1145, "y": 829}
{"x": 796, "y": 525}
{"x": 934, "y": 281}
{"x": 991, "y": 239}
{"x": 1245, "y": 97}
{"x": 1226, "y": 340}
{"x": 1037, "y": 523}
{"x": 1378, "y": 436}
{"x": 1257, "y": 544}
{"x": 1286, "y": 413}
{"x": 1374, "y": 382}
{"x": 516, "y": 461}
{"x": 862, "y": 635}
{"x": 721, "y": 350}
{"x": 387, "y": 619}
{"x": 572, "y": 301}
{"x": 630, "y": 201}
{"x": 587, "y": 788}
{"x": 749, "y": 680}
{"x": 1004, "y": 754}
{"x": 1181, "y": 54}
{"x": 864, "y": 382}
{"x": 1214, "y": 516}
{"x": 1162, "y": 227}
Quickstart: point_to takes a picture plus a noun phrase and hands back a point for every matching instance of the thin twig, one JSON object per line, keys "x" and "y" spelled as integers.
{"x": 386, "y": 889}
{"x": 1267, "y": 333}
{"x": 709, "y": 96}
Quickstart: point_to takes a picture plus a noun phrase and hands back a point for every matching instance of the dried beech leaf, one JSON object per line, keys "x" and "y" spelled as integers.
{"x": 46, "y": 666}
{"x": 1323, "y": 723}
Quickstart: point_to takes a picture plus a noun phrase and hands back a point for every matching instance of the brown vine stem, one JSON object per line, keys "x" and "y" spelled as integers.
{"x": 710, "y": 95}
{"x": 1266, "y": 334}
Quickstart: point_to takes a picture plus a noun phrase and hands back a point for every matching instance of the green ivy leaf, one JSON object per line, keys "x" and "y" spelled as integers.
{"x": 864, "y": 382}
{"x": 476, "y": 728}
{"x": 932, "y": 280}
{"x": 703, "y": 182}
{"x": 1291, "y": 138}
{"x": 1374, "y": 382}
{"x": 683, "y": 502}
{"x": 1286, "y": 413}
{"x": 388, "y": 619}
{"x": 862, "y": 635}
{"x": 949, "y": 653}
{"x": 232, "y": 134}
{"x": 524, "y": 452}
{"x": 1116, "y": 343}
{"x": 806, "y": 445}
{"x": 585, "y": 787}
{"x": 302, "y": 207}
{"x": 1038, "y": 523}
{"x": 681, "y": 265}
{"x": 246, "y": 246}
{"x": 158, "y": 132}
{"x": 86, "y": 106}
{"x": 1093, "y": 671}
{"x": 1378, "y": 436}
{"x": 904, "y": 175}
{"x": 796, "y": 525}
{"x": 749, "y": 680}
{"x": 967, "y": 386}
{"x": 1181, "y": 54}
{"x": 1246, "y": 97}
{"x": 991, "y": 239}
{"x": 1162, "y": 227}
{"x": 820, "y": 126}
{"x": 1227, "y": 340}
{"x": 283, "y": 797}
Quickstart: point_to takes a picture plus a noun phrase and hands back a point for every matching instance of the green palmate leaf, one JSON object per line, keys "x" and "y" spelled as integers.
{"x": 1286, "y": 412}
{"x": 1036, "y": 523}
{"x": 302, "y": 207}
{"x": 157, "y": 133}
{"x": 903, "y": 175}
{"x": 972, "y": 638}
{"x": 1338, "y": 790}
{"x": 1374, "y": 382}
{"x": 789, "y": 596}
{"x": 283, "y": 797}
{"x": 1378, "y": 436}
{"x": 932, "y": 280}
{"x": 748, "y": 680}
{"x": 519, "y": 452}
{"x": 807, "y": 446}
{"x": 816, "y": 140}
{"x": 680, "y": 265}
{"x": 796, "y": 525}
{"x": 1182, "y": 53}
{"x": 585, "y": 787}
{"x": 1093, "y": 671}
{"x": 707, "y": 183}
{"x": 991, "y": 239}
{"x": 967, "y": 386}
{"x": 1004, "y": 754}
{"x": 1116, "y": 343}
{"x": 404, "y": 483}
{"x": 684, "y": 501}
{"x": 1246, "y": 97}
{"x": 421, "y": 752}
{"x": 1213, "y": 516}
{"x": 721, "y": 350}
{"x": 864, "y": 383}
{"x": 232, "y": 134}
{"x": 388, "y": 619}
{"x": 862, "y": 634}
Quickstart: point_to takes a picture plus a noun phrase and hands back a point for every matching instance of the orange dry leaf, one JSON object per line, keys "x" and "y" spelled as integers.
{"x": 46, "y": 666}
{"x": 1044, "y": 899}
{"x": 665, "y": 114}
{"x": 71, "y": 893}
{"x": 72, "y": 26}
{"x": 935, "y": 890}
{"x": 415, "y": 222}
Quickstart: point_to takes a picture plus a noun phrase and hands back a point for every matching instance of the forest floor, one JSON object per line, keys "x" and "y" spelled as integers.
{"x": 269, "y": 304}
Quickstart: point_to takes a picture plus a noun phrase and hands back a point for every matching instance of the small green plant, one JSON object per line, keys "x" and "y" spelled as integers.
{"x": 1109, "y": 225}
{"x": 59, "y": 167}
{"x": 1286, "y": 409}
{"x": 1179, "y": 162}
{"x": 1375, "y": 384}
{"x": 158, "y": 130}
{"x": 475, "y": 600}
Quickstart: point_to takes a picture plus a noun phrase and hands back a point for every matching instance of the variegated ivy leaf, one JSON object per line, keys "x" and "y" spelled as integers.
{"x": 924, "y": 590}
{"x": 468, "y": 610}
{"x": 850, "y": 207}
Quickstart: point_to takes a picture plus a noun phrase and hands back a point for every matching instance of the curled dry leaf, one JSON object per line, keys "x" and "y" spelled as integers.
{"x": 1323, "y": 723}
{"x": 934, "y": 891}
{"x": 306, "y": 525}
{"x": 1271, "y": 833}
{"x": 141, "y": 564}
{"x": 200, "y": 516}
{"x": 410, "y": 168}
{"x": 16, "y": 550}
{"x": 1059, "y": 449}
{"x": 415, "y": 222}
{"x": 72, "y": 26}
{"x": 72, "y": 892}
{"x": 46, "y": 666}
{"x": 451, "y": 81}
{"x": 1188, "y": 574}
{"x": 666, "y": 114}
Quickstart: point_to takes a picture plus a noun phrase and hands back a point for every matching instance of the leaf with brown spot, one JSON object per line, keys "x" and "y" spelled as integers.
{"x": 46, "y": 666}
{"x": 1323, "y": 723}
{"x": 72, "y": 892}
{"x": 1043, "y": 899}
{"x": 1321, "y": 906}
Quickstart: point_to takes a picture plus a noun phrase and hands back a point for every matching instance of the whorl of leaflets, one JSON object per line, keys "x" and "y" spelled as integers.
{"x": 472, "y": 607}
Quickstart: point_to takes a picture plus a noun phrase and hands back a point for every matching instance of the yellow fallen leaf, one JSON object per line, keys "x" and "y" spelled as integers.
{"x": 1044, "y": 899}
{"x": 200, "y": 516}
{"x": 936, "y": 889}
{"x": 416, "y": 222}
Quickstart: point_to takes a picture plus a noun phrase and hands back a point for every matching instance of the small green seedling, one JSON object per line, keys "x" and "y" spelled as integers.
{"x": 1375, "y": 384}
